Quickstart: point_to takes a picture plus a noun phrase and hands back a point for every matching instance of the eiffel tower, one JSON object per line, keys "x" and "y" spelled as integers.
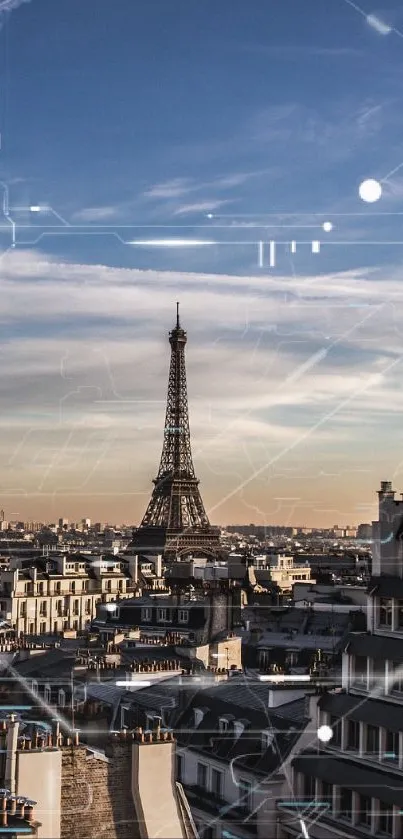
{"x": 175, "y": 522}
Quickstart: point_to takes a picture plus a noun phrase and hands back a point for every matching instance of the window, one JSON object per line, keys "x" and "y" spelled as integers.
{"x": 183, "y": 615}
{"x": 245, "y": 795}
{"x": 223, "y": 724}
{"x": 179, "y": 767}
{"x": 201, "y": 775}
{"x": 88, "y": 607}
{"x": 309, "y": 787}
{"x": 364, "y": 811}
{"x": 23, "y": 611}
{"x": 73, "y": 588}
{"x": 62, "y": 699}
{"x": 346, "y": 803}
{"x": 146, "y": 614}
{"x": 124, "y": 719}
{"x": 57, "y": 588}
{"x": 34, "y": 686}
{"x": 353, "y": 735}
{"x": 400, "y": 614}
{"x": 391, "y": 753}
{"x": 42, "y": 609}
{"x": 335, "y": 724}
{"x": 327, "y": 796}
{"x": 47, "y": 694}
{"x": 42, "y": 628}
{"x": 360, "y": 671}
{"x": 385, "y": 819}
{"x": 216, "y": 783}
{"x": 385, "y": 612}
{"x": 377, "y": 668}
{"x": 398, "y": 679}
{"x": 372, "y": 741}
{"x": 76, "y": 608}
{"x": 40, "y": 588}
{"x": 162, "y": 615}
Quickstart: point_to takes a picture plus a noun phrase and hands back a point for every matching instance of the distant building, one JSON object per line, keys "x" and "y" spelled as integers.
{"x": 364, "y": 532}
{"x": 285, "y": 572}
{"x": 54, "y": 595}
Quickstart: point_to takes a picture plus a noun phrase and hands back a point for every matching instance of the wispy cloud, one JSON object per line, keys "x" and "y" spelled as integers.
{"x": 179, "y": 187}
{"x": 77, "y": 340}
{"x": 96, "y": 214}
{"x": 9, "y": 6}
{"x": 291, "y": 52}
{"x": 201, "y": 207}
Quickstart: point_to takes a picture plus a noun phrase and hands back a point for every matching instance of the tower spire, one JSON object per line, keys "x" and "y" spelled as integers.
{"x": 175, "y": 519}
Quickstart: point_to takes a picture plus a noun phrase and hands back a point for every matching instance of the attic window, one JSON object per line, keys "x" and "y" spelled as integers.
{"x": 198, "y": 716}
{"x": 223, "y": 724}
{"x": 267, "y": 739}
{"x": 239, "y": 728}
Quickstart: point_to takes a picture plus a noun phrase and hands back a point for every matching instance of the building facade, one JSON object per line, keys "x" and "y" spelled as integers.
{"x": 351, "y": 783}
{"x": 60, "y": 594}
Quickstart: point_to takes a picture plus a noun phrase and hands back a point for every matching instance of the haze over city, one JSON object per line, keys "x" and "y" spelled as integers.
{"x": 294, "y": 371}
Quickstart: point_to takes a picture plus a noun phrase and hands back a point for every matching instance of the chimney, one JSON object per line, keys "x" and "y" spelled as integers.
{"x": 3, "y": 811}
{"x": 11, "y": 750}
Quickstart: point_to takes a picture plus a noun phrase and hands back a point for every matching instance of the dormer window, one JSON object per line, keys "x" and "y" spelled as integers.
{"x": 267, "y": 739}
{"x": 385, "y": 611}
{"x": 146, "y": 614}
{"x": 183, "y": 616}
{"x": 198, "y": 716}
{"x": 223, "y": 724}
{"x": 163, "y": 615}
{"x": 239, "y": 728}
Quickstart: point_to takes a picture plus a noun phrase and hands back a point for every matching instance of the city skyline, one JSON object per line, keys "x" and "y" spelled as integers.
{"x": 294, "y": 368}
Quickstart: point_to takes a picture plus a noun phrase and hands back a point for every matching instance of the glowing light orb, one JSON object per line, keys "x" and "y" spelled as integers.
{"x": 327, "y": 226}
{"x": 370, "y": 191}
{"x": 325, "y": 733}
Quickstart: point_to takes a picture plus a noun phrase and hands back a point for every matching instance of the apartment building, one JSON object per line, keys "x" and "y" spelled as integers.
{"x": 61, "y": 593}
{"x": 351, "y": 783}
{"x": 285, "y": 572}
{"x": 232, "y": 740}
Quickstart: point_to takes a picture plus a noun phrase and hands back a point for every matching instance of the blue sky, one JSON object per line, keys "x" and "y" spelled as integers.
{"x": 229, "y": 122}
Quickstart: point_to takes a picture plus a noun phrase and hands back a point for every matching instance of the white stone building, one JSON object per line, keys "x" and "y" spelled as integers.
{"x": 59, "y": 594}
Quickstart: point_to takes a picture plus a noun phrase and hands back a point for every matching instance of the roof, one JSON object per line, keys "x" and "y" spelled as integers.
{"x": 249, "y": 694}
{"x": 371, "y": 711}
{"x": 353, "y": 775}
{"x": 375, "y": 646}
{"x": 58, "y": 661}
{"x": 386, "y": 586}
{"x": 287, "y": 723}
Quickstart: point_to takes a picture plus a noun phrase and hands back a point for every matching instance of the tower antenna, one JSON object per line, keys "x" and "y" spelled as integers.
{"x": 177, "y": 316}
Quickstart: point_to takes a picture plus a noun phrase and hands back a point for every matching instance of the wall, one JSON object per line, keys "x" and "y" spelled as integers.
{"x": 38, "y": 775}
{"x": 96, "y": 795}
{"x": 153, "y": 763}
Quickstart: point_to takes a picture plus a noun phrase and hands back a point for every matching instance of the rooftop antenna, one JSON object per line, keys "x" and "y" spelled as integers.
{"x": 177, "y": 316}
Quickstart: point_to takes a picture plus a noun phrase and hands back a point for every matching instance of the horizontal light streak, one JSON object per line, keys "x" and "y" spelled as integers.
{"x": 281, "y": 678}
{"x": 170, "y": 243}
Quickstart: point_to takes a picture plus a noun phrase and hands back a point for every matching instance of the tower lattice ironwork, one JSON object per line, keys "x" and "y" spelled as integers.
{"x": 175, "y": 521}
